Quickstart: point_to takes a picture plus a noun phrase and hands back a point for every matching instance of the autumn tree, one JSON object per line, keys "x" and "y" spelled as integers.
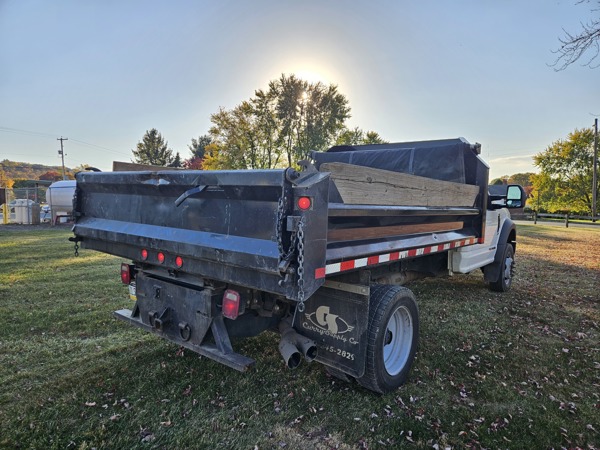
{"x": 5, "y": 180}
{"x": 281, "y": 123}
{"x": 574, "y": 45}
{"x": 153, "y": 150}
{"x": 51, "y": 175}
{"x": 565, "y": 179}
{"x": 524, "y": 179}
{"x": 357, "y": 136}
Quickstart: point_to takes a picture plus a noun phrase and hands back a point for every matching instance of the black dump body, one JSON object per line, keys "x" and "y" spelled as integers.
{"x": 243, "y": 227}
{"x": 454, "y": 160}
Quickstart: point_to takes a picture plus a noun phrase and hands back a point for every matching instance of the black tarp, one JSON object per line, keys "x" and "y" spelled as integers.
{"x": 440, "y": 160}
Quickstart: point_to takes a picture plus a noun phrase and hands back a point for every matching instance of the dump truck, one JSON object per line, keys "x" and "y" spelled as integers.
{"x": 320, "y": 253}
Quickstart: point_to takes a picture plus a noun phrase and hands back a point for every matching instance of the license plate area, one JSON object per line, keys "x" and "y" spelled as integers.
{"x": 178, "y": 311}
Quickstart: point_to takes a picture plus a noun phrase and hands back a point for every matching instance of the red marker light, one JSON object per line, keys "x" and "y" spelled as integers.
{"x": 144, "y": 254}
{"x": 231, "y": 304}
{"x": 179, "y": 262}
{"x": 304, "y": 203}
{"x": 161, "y": 257}
{"x": 125, "y": 273}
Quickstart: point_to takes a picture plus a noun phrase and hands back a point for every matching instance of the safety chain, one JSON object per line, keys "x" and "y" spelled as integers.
{"x": 284, "y": 255}
{"x": 300, "y": 306}
{"x": 76, "y": 248}
{"x": 279, "y": 224}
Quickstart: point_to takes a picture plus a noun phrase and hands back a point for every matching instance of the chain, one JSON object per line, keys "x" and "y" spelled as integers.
{"x": 279, "y": 225}
{"x": 284, "y": 255}
{"x": 76, "y": 248}
{"x": 300, "y": 306}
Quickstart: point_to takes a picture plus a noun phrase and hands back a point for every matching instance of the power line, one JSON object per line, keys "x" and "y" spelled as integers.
{"x": 25, "y": 132}
{"x": 99, "y": 146}
{"x": 40, "y": 134}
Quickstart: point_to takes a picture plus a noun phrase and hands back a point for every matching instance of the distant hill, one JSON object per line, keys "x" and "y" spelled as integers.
{"x": 27, "y": 171}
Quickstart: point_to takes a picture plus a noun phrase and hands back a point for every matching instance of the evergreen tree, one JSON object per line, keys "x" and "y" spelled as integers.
{"x": 153, "y": 150}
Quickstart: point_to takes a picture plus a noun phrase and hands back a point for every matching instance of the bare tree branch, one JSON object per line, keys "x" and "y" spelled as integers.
{"x": 574, "y": 46}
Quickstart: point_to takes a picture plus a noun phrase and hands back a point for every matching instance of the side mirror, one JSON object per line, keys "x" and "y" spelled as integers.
{"x": 515, "y": 196}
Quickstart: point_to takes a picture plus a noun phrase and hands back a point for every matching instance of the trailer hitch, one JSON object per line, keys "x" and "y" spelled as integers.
{"x": 158, "y": 322}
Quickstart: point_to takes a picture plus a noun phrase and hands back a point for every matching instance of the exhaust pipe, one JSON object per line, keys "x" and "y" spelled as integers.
{"x": 293, "y": 346}
{"x": 289, "y": 351}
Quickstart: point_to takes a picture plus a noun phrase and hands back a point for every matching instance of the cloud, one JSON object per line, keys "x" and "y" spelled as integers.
{"x": 521, "y": 159}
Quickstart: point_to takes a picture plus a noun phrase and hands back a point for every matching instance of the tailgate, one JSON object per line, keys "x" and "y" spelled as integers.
{"x": 225, "y": 225}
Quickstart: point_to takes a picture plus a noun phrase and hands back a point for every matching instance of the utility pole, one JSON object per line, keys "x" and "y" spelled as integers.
{"x": 62, "y": 154}
{"x": 595, "y": 172}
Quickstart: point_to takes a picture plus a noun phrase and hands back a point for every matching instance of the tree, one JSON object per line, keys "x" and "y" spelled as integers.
{"x": 5, "y": 180}
{"x": 565, "y": 179}
{"x": 198, "y": 145}
{"x": 311, "y": 115}
{"x": 285, "y": 121}
{"x": 51, "y": 176}
{"x": 575, "y": 45}
{"x": 153, "y": 150}
{"x": 194, "y": 163}
{"x": 236, "y": 140}
{"x": 176, "y": 161}
{"x": 356, "y": 136}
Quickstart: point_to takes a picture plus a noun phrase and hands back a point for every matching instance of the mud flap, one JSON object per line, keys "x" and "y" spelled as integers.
{"x": 336, "y": 318}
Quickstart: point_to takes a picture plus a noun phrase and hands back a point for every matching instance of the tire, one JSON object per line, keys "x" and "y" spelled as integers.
{"x": 393, "y": 338}
{"x": 505, "y": 276}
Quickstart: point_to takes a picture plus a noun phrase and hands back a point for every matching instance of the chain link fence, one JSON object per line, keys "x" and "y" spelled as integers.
{"x": 24, "y": 205}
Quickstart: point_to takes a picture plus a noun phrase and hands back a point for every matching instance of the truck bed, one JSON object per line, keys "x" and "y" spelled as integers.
{"x": 244, "y": 227}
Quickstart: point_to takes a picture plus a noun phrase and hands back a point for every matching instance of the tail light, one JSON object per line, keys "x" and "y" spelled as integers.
{"x": 304, "y": 203}
{"x": 160, "y": 257}
{"x": 179, "y": 262}
{"x": 126, "y": 273}
{"x": 144, "y": 254}
{"x": 231, "y": 304}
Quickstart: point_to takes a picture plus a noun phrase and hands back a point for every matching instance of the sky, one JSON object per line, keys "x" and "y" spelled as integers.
{"x": 101, "y": 73}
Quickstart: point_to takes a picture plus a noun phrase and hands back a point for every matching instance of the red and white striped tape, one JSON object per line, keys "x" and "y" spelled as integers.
{"x": 344, "y": 266}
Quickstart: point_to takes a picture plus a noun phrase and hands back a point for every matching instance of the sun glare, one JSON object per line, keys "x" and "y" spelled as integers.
{"x": 311, "y": 76}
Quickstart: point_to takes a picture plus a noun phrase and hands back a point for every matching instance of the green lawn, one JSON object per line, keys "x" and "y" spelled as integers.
{"x": 515, "y": 370}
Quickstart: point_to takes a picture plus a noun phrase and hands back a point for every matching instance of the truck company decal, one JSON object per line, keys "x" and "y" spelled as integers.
{"x": 325, "y": 323}
{"x": 386, "y": 257}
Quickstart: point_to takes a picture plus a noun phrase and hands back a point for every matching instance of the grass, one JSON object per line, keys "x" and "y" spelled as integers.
{"x": 515, "y": 370}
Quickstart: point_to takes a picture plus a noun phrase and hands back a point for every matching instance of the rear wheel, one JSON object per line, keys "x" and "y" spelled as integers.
{"x": 504, "y": 281}
{"x": 393, "y": 335}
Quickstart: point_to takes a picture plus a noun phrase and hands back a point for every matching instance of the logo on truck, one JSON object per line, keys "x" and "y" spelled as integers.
{"x": 326, "y": 322}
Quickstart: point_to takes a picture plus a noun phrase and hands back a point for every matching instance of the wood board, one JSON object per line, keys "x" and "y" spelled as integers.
{"x": 352, "y": 234}
{"x": 359, "y": 185}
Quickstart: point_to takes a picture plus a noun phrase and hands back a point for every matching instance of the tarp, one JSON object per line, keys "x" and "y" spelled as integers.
{"x": 440, "y": 160}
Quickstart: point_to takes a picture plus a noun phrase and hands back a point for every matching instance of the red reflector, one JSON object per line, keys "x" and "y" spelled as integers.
{"x": 304, "y": 203}
{"x": 179, "y": 261}
{"x": 231, "y": 304}
{"x": 144, "y": 255}
{"x": 125, "y": 273}
{"x": 161, "y": 257}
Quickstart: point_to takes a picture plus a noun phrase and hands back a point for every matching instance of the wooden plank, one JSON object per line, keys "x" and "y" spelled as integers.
{"x": 352, "y": 234}
{"x": 367, "y": 186}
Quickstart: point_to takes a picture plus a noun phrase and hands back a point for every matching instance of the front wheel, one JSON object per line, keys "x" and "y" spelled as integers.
{"x": 504, "y": 280}
{"x": 393, "y": 336}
